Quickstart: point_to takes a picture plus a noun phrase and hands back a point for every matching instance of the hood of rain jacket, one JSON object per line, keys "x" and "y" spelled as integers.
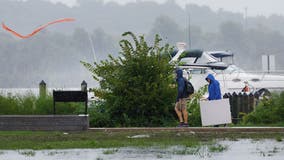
{"x": 213, "y": 88}
{"x": 181, "y": 84}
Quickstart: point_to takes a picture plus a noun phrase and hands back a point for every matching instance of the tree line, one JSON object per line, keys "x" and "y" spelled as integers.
{"x": 54, "y": 55}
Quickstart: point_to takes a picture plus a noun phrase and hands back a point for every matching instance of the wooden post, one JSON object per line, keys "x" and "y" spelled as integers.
{"x": 235, "y": 109}
{"x": 84, "y": 88}
{"x": 251, "y": 102}
{"x": 54, "y": 111}
{"x": 42, "y": 89}
{"x": 245, "y": 103}
{"x": 240, "y": 103}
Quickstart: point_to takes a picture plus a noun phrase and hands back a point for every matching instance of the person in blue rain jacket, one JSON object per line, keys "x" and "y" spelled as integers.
{"x": 213, "y": 88}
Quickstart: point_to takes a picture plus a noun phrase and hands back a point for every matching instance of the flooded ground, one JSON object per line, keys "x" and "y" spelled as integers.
{"x": 267, "y": 149}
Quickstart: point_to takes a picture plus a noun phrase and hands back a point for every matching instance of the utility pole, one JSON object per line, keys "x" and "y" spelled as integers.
{"x": 246, "y": 18}
{"x": 189, "y": 32}
{"x": 268, "y": 63}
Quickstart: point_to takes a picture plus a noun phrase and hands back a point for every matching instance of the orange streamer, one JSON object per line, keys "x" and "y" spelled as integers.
{"x": 37, "y": 29}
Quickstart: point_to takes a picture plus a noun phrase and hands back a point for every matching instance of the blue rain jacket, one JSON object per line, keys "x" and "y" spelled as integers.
{"x": 181, "y": 84}
{"x": 213, "y": 88}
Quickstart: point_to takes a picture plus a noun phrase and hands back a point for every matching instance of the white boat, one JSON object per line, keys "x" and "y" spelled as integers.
{"x": 197, "y": 64}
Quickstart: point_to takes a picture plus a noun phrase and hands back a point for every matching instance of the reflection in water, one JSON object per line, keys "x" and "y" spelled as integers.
{"x": 223, "y": 150}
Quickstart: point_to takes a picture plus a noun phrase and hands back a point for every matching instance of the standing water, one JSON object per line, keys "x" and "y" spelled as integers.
{"x": 266, "y": 149}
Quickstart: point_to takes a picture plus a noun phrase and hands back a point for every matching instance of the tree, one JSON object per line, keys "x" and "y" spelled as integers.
{"x": 103, "y": 44}
{"x": 136, "y": 85}
{"x": 81, "y": 39}
{"x": 232, "y": 35}
{"x": 168, "y": 29}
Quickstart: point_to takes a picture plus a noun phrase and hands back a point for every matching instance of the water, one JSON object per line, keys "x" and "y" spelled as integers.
{"x": 267, "y": 149}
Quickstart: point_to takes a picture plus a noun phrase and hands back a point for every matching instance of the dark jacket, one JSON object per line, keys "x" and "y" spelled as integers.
{"x": 181, "y": 84}
{"x": 213, "y": 88}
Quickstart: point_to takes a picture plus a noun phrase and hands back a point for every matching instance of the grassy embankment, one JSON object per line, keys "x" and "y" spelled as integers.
{"x": 60, "y": 140}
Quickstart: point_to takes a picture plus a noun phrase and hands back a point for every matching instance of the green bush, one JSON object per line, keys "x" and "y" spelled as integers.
{"x": 27, "y": 103}
{"x": 98, "y": 116}
{"x": 44, "y": 105}
{"x": 268, "y": 111}
{"x": 136, "y": 85}
{"x": 9, "y": 105}
{"x": 30, "y": 104}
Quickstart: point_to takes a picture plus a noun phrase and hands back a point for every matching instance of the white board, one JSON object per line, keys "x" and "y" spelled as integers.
{"x": 215, "y": 112}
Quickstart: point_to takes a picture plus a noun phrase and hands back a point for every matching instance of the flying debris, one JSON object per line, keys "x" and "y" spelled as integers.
{"x": 37, "y": 29}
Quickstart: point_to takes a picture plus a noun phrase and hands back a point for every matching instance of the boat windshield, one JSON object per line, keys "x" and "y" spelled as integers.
{"x": 198, "y": 70}
{"x": 230, "y": 69}
{"x": 233, "y": 69}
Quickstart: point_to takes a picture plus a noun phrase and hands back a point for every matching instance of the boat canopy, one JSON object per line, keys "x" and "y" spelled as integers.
{"x": 191, "y": 53}
{"x": 221, "y": 54}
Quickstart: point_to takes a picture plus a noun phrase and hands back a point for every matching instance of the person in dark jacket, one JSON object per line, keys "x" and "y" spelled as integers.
{"x": 180, "y": 106}
{"x": 213, "y": 88}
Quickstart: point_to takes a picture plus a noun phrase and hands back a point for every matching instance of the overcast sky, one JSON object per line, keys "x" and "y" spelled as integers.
{"x": 254, "y": 7}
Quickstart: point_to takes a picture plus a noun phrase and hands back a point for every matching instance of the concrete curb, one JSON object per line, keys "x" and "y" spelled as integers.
{"x": 194, "y": 129}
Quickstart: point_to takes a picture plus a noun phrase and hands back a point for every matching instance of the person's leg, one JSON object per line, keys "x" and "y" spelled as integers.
{"x": 184, "y": 112}
{"x": 178, "y": 112}
{"x": 185, "y": 115}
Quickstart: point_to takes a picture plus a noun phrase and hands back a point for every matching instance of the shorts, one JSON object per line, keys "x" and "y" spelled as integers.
{"x": 181, "y": 106}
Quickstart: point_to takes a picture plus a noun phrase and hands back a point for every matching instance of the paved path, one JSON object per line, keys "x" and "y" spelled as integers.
{"x": 197, "y": 129}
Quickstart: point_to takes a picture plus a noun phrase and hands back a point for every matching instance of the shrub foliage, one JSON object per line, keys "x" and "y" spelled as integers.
{"x": 136, "y": 86}
{"x": 30, "y": 104}
{"x": 268, "y": 111}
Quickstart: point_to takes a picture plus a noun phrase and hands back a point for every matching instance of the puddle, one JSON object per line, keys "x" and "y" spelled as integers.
{"x": 234, "y": 150}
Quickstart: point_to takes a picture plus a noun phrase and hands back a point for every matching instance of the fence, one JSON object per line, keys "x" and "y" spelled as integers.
{"x": 241, "y": 104}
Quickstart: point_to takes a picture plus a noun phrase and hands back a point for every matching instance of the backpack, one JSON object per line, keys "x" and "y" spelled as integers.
{"x": 188, "y": 88}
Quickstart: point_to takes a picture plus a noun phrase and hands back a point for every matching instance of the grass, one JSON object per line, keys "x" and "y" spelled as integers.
{"x": 27, "y": 153}
{"x": 278, "y": 139}
{"x": 110, "y": 151}
{"x": 279, "y": 124}
{"x": 217, "y": 148}
{"x": 58, "y": 140}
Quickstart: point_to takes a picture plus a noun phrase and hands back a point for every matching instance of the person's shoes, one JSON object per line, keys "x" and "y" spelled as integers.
{"x": 185, "y": 125}
{"x": 180, "y": 124}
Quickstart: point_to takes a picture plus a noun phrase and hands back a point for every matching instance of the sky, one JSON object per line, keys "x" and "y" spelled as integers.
{"x": 251, "y": 7}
